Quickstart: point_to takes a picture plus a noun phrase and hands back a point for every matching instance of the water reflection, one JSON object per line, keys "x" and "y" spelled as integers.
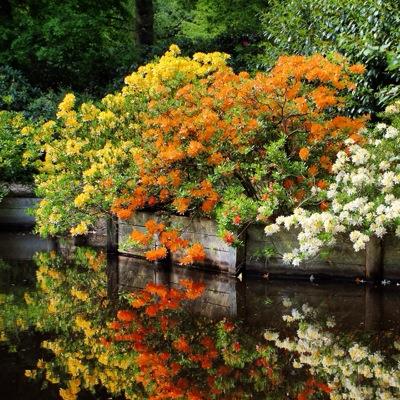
{"x": 136, "y": 331}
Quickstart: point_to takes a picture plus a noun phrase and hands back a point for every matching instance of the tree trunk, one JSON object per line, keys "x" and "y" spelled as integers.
{"x": 145, "y": 22}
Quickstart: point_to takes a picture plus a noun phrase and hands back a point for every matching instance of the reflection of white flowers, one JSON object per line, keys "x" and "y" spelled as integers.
{"x": 351, "y": 372}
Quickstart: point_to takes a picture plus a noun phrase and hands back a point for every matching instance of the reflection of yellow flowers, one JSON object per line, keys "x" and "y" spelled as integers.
{"x": 79, "y": 294}
{"x": 29, "y": 373}
{"x": 52, "y": 307}
{"x": 51, "y": 377}
{"x": 81, "y": 323}
{"x": 73, "y": 389}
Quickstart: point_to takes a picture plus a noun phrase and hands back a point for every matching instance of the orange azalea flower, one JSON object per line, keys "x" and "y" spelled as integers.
{"x": 357, "y": 69}
{"x": 288, "y": 183}
{"x": 164, "y": 194}
{"x": 322, "y": 184}
{"x": 304, "y": 153}
{"x": 215, "y": 159}
{"x": 140, "y": 237}
{"x": 157, "y": 254}
{"x": 299, "y": 195}
{"x": 153, "y": 227}
{"x": 152, "y": 310}
{"x": 313, "y": 170}
{"x": 175, "y": 177}
{"x": 194, "y": 148}
{"x": 228, "y": 237}
{"x": 324, "y": 206}
{"x": 162, "y": 180}
{"x": 208, "y": 205}
{"x": 181, "y": 204}
{"x": 237, "y": 219}
{"x": 326, "y": 162}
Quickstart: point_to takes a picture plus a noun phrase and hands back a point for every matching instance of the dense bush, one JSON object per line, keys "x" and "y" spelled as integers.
{"x": 14, "y": 129}
{"x": 15, "y": 90}
{"x": 78, "y": 43}
{"x": 190, "y": 136}
{"x": 365, "y": 31}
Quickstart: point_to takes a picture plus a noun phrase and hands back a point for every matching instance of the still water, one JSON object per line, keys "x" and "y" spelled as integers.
{"x": 75, "y": 324}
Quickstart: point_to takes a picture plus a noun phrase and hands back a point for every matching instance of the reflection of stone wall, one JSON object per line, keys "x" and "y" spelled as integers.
{"x": 218, "y": 300}
{"x": 259, "y": 302}
{"x": 13, "y": 211}
{"x": 22, "y": 246}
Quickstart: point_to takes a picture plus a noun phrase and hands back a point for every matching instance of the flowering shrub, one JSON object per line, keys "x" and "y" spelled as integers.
{"x": 13, "y": 126}
{"x": 364, "y": 197}
{"x": 190, "y": 136}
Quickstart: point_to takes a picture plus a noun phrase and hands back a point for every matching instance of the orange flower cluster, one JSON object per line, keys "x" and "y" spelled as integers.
{"x": 213, "y": 131}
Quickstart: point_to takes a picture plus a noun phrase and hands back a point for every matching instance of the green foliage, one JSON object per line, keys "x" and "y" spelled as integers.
{"x": 15, "y": 90}
{"x": 206, "y": 25}
{"x": 79, "y": 43}
{"x": 365, "y": 31}
{"x": 12, "y": 147}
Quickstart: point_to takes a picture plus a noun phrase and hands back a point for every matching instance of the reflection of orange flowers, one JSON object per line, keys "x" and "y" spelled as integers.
{"x": 125, "y": 315}
{"x": 193, "y": 289}
{"x": 181, "y": 344}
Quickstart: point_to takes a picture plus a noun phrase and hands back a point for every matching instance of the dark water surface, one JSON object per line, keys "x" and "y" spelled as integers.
{"x": 76, "y": 324}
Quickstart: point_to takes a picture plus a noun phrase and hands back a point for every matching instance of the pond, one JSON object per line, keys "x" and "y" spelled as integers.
{"x": 76, "y": 324}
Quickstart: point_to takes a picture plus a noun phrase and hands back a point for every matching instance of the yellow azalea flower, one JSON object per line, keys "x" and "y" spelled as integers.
{"x": 80, "y": 229}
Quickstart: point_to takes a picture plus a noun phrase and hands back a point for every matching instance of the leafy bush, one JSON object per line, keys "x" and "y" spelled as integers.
{"x": 16, "y": 92}
{"x": 13, "y": 130}
{"x": 364, "y": 195}
{"x": 78, "y": 43}
{"x": 190, "y": 136}
{"x": 365, "y": 31}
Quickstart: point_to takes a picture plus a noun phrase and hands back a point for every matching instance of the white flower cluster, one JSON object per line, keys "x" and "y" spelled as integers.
{"x": 364, "y": 197}
{"x": 351, "y": 372}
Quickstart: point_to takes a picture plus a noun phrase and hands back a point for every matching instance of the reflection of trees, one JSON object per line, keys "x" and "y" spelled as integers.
{"x": 147, "y": 345}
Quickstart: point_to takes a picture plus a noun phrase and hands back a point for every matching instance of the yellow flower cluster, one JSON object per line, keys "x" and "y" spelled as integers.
{"x": 169, "y": 66}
